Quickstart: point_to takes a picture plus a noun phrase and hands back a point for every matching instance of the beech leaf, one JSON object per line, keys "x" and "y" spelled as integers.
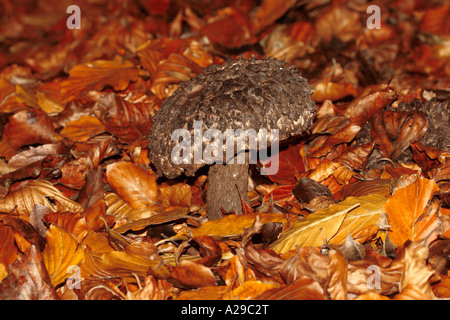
{"x": 332, "y": 224}
{"x": 61, "y": 253}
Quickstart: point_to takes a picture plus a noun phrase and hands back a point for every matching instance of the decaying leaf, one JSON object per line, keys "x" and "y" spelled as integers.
{"x": 28, "y": 279}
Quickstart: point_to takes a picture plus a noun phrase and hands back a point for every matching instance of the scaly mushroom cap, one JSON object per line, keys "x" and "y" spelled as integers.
{"x": 240, "y": 94}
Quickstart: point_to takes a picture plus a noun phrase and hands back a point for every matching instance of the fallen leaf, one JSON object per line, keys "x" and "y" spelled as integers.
{"x": 82, "y": 129}
{"x": 408, "y": 211}
{"x": 60, "y": 254}
{"x": 332, "y": 224}
{"x": 117, "y": 73}
{"x": 27, "y": 279}
{"x": 234, "y": 225}
{"x": 301, "y": 289}
{"x": 190, "y": 275}
{"x": 23, "y": 200}
{"x": 133, "y": 184}
{"x": 251, "y": 289}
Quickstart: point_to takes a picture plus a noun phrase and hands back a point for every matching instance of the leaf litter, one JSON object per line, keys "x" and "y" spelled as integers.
{"x": 359, "y": 208}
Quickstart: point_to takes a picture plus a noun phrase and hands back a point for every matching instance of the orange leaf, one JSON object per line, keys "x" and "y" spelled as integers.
{"x": 98, "y": 74}
{"x": 332, "y": 91}
{"x": 8, "y": 251}
{"x": 234, "y": 224}
{"x": 179, "y": 194}
{"x": 82, "y": 129}
{"x": 133, "y": 184}
{"x": 190, "y": 275}
{"x": 408, "y": 211}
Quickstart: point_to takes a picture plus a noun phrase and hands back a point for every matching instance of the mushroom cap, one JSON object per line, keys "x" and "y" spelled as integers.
{"x": 240, "y": 94}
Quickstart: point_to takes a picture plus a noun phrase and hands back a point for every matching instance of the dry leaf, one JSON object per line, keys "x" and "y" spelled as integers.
{"x": 332, "y": 224}
{"x": 133, "y": 184}
{"x": 190, "y": 275}
{"x": 23, "y": 200}
{"x": 61, "y": 254}
{"x": 27, "y": 279}
{"x": 234, "y": 225}
{"x": 96, "y": 75}
{"x": 82, "y": 129}
{"x": 301, "y": 289}
{"x": 251, "y": 289}
{"x": 410, "y": 213}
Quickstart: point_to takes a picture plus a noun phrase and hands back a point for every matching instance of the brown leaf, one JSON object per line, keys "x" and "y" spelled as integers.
{"x": 312, "y": 195}
{"x": 234, "y": 225}
{"x": 26, "y": 127}
{"x": 325, "y": 146}
{"x": 190, "y": 275}
{"x": 416, "y": 271}
{"x": 75, "y": 171}
{"x": 209, "y": 250}
{"x": 403, "y": 127}
{"x": 152, "y": 289}
{"x": 71, "y": 222}
{"x": 125, "y": 120}
{"x": 27, "y": 279}
{"x": 265, "y": 261}
{"x": 179, "y": 194}
{"x": 340, "y": 22}
{"x": 206, "y": 293}
{"x": 25, "y": 231}
{"x": 170, "y": 72}
{"x": 337, "y": 269}
{"x": 363, "y": 108}
{"x": 268, "y": 12}
{"x": 327, "y": 90}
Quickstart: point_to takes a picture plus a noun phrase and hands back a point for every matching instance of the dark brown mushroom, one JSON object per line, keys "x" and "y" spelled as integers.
{"x": 248, "y": 94}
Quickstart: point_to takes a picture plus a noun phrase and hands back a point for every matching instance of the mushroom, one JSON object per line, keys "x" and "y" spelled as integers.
{"x": 252, "y": 94}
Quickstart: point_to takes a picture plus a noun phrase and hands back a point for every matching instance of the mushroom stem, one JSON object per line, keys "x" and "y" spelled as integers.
{"x": 222, "y": 189}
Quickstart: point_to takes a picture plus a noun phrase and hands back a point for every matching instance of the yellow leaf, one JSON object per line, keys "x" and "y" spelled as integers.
{"x": 3, "y": 272}
{"x": 333, "y": 223}
{"x": 364, "y": 216}
{"x": 61, "y": 253}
